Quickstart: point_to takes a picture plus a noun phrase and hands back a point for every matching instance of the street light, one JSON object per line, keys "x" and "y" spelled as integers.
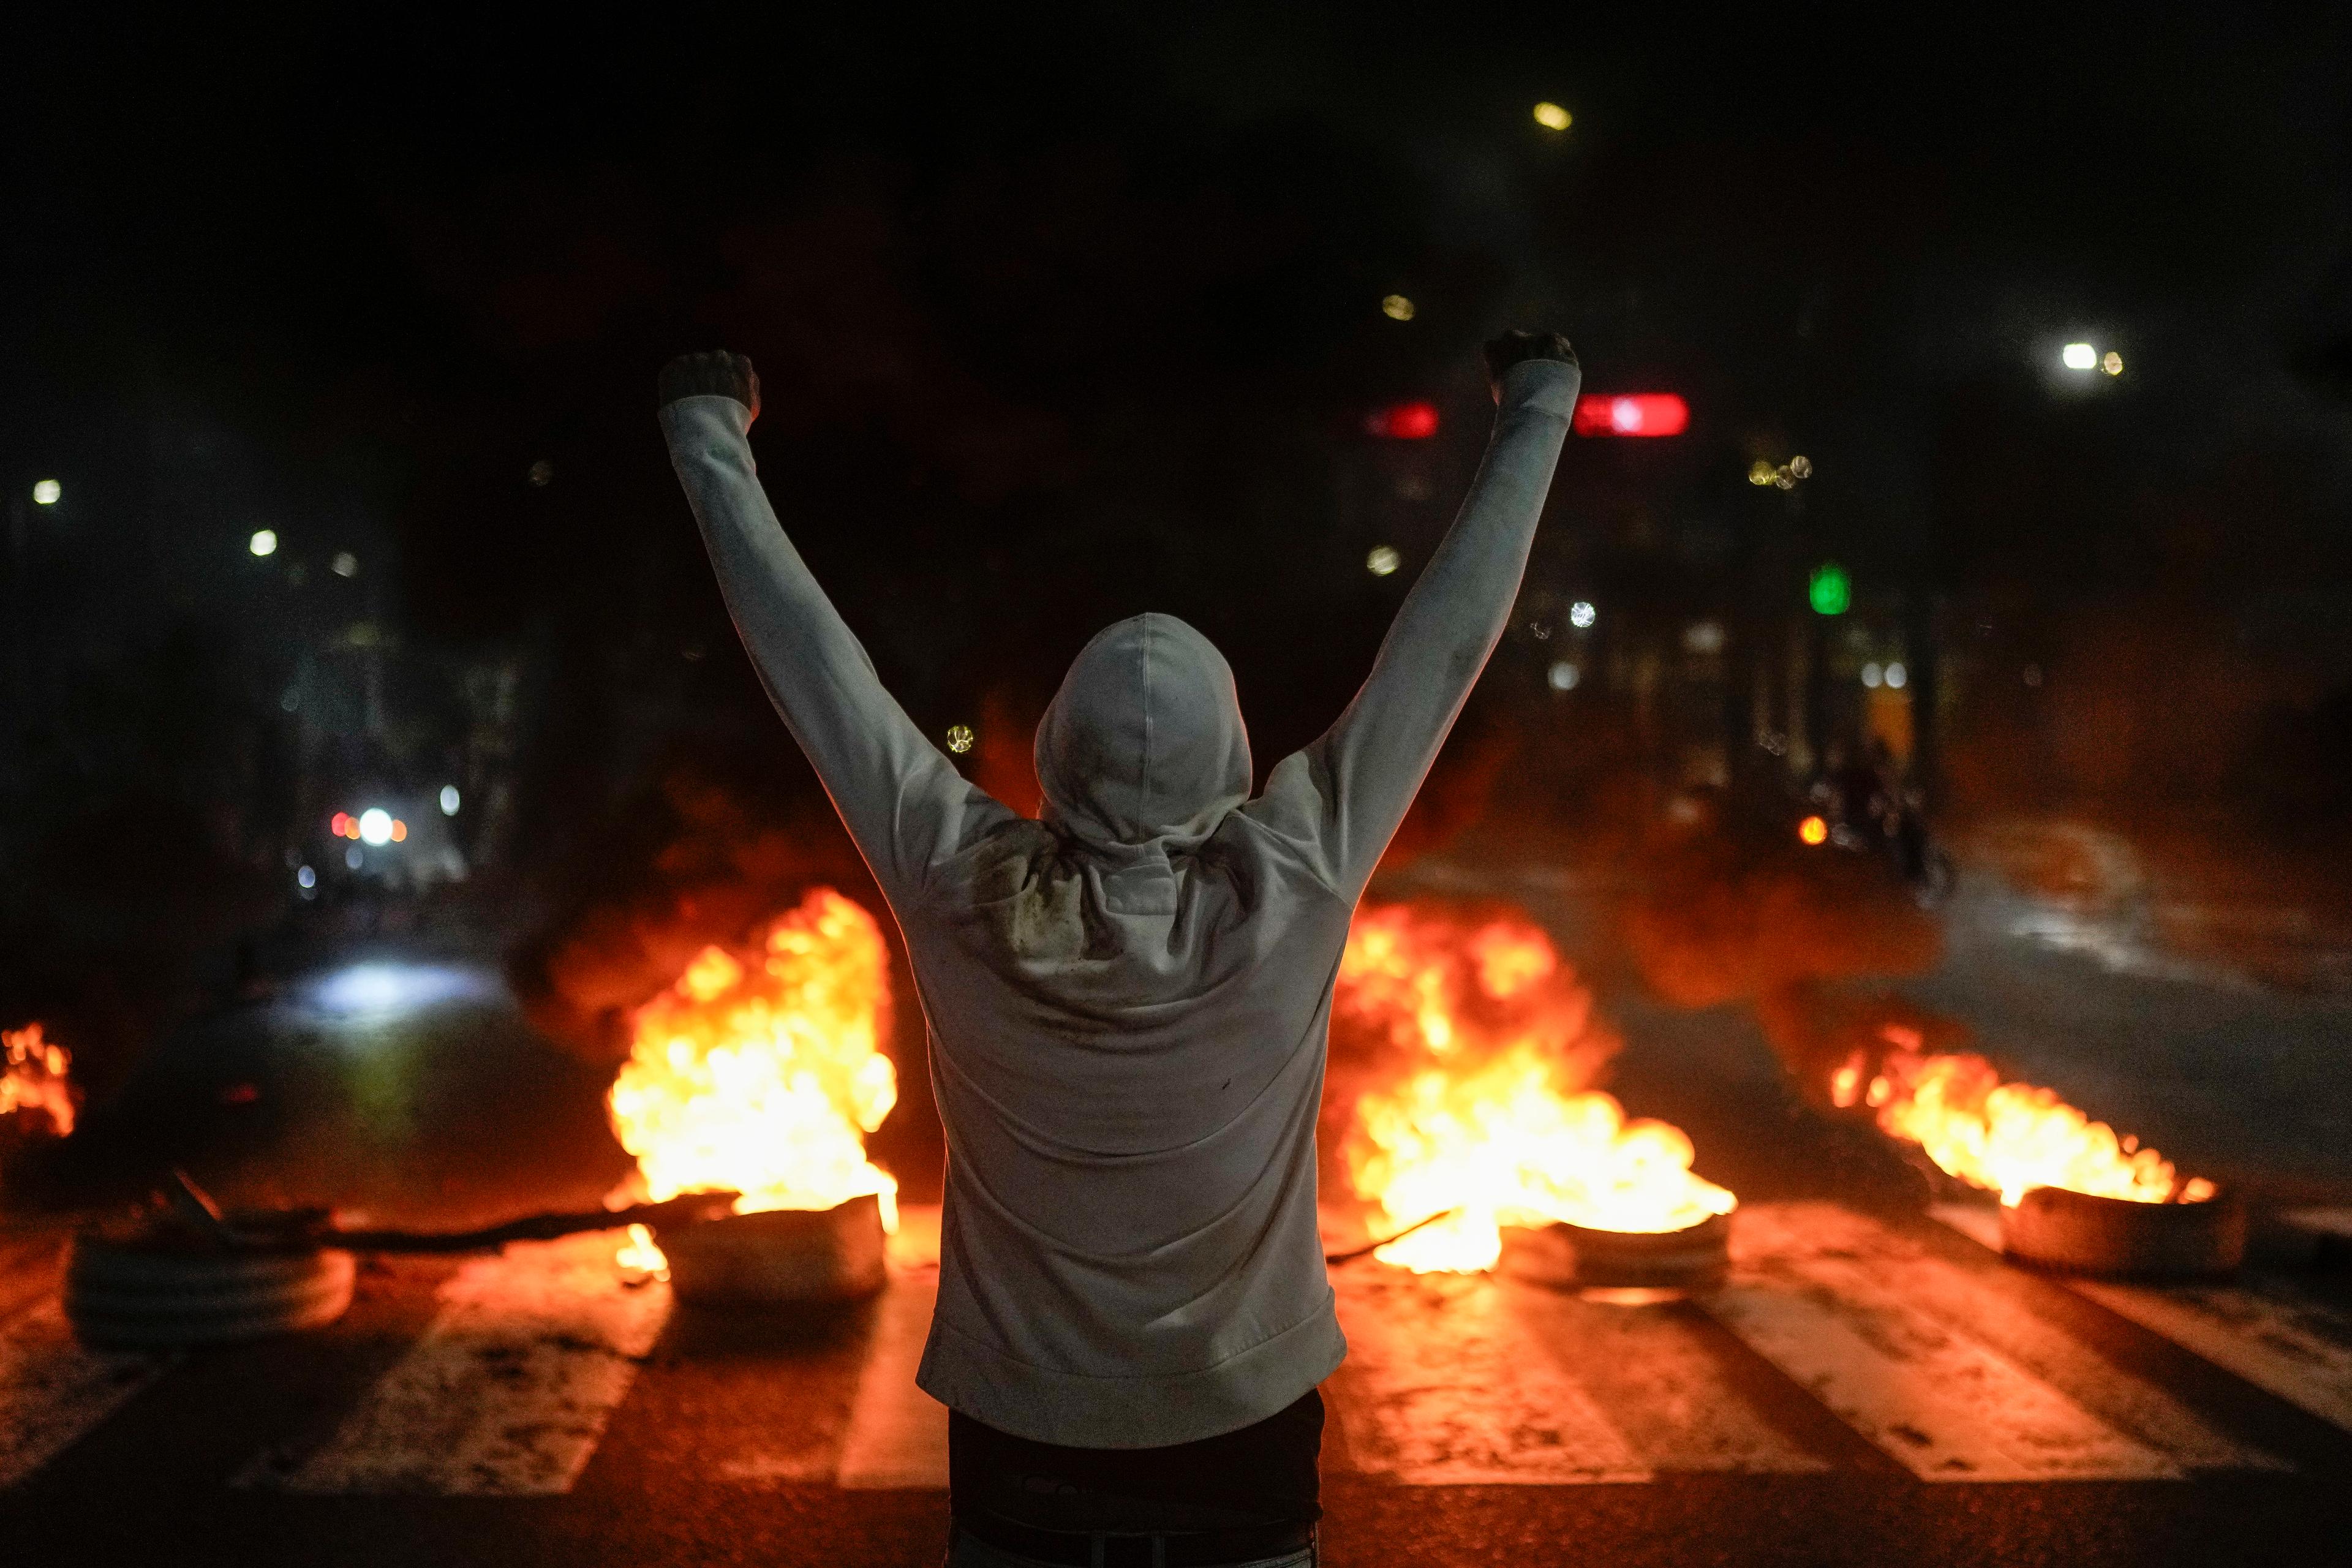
{"x": 47, "y": 492}
{"x": 264, "y": 542}
{"x": 1582, "y": 614}
{"x": 2079, "y": 356}
{"x": 1552, "y": 117}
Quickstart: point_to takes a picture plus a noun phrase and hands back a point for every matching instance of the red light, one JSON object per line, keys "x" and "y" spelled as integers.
{"x": 338, "y": 822}
{"x": 1813, "y": 831}
{"x": 1632, "y": 414}
{"x": 399, "y": 830}
{"x": 1404, "y": 422}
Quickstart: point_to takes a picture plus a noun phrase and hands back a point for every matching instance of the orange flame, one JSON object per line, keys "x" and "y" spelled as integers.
{"x": 2004, "y": 1137}
{"x": 1491, "y": 1121}
{"x": 765, "y": 1072}
{"x": 33, "y": 1078}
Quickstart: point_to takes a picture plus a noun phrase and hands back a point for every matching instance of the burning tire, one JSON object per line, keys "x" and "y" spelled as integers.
{"x": 127, "y": 1293}
{"x": 1695, "y": 1257}
{"x": 1572, "y": 1258}
{"x": 2052, "y": 1228}
{"x": 779, "y": 1257}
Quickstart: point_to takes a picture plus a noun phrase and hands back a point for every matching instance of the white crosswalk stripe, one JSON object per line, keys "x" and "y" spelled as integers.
{"x": 1479, "y": 1400}
{"x": 1825, "y": 1298}
{"x": 898, "y": 1437}
{"x": 2285, "y": 1345}
{"x": 1956, "y": 1369}
{"x": 508, "y": 1392}
{"x": 1996, "y": 1305}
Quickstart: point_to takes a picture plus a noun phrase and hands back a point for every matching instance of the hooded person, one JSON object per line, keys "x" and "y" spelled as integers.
{"x": 1126, "y": 1001}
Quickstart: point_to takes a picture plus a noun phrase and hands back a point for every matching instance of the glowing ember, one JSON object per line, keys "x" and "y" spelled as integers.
{"x": 2005, "y": 1137}
{"x": 641, "y": 1254}
{"x": 33, "y": 1078}
{"x": 764, "y": 1073}
{"x": 1489, "y": 1118}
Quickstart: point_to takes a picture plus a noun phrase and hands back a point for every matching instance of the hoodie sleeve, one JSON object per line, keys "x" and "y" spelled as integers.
{"x": 1341, "y": 798}
{"x": 903, "y": 802}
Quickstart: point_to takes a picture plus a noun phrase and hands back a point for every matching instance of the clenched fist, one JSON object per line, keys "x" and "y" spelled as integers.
{"x": 1513, "y": 346}
{"x": 715, "y": 373}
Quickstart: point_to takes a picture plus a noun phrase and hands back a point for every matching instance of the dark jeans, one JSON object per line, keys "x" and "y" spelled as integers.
{"x": 1252, "y": 1481}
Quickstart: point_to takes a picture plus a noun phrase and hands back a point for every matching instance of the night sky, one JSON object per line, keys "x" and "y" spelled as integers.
{"x": 1068, "y": 318}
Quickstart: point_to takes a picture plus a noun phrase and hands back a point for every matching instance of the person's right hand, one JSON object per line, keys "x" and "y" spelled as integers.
{"x": 1514, "y": 346}
{"x": 715, "y": 373}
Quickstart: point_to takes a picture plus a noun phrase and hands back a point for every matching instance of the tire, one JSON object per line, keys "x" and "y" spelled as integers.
{"x": 130, "y": 1296}
{"x": 2073, "y": 1232}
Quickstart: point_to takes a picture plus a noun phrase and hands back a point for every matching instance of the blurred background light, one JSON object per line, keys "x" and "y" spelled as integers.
{"x": 449, "y": 800}
{"x": 1829, "y": 590}
{"x": 1415, "y": 421}
{"x": 48, "y": 492}
{"x": 1633, "y": 414}
{"x": 1563, "y": 675}
{"x": 1582, "y": 614}
{"x": 1382, "y": 561}
{"x": 2079, "y": 356}
{"x": 2113, "y": 364}
{"x": 1872, "y": 675}
{"x": 375, "y": 825}
{"x": 1397, "y": 308}
{"x": 1552, "y": 117}
{"x": 1896, "y": 676}
{"x": 381, "y": 987}
{"x": 345, "y": 565}
{"x": 305, "y": 877}
{"x": 264, "y": 542}
{"x": 960, "y": 739}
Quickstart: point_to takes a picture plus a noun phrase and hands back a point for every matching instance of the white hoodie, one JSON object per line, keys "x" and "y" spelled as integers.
{"x": 1128, "y": 1001}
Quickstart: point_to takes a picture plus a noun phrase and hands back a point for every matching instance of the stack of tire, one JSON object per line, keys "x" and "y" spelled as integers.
{"x": 161, "y": 1288}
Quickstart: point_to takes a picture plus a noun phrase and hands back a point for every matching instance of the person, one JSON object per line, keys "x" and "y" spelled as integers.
{"x": 1126, "y": 1001}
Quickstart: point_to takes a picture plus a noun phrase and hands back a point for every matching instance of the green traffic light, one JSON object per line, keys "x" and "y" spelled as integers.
{"x": 1831, "y": 590}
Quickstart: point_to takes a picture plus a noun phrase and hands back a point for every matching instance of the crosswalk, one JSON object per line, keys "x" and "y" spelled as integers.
{"x": 1839, "y": 1342}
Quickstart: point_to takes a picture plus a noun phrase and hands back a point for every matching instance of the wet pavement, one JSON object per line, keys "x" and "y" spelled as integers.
{"x": 1873, "y": 1385}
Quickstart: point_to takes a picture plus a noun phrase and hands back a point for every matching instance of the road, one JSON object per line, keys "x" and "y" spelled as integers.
{"x": 1874, "y": 1384}
{"x": 1867, "y": 1389}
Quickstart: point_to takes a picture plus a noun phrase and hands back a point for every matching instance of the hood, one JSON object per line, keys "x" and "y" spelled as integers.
{"x": 1144, "y": 743}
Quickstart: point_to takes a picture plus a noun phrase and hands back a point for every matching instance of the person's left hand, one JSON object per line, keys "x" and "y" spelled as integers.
{"x": 714, "y": 374}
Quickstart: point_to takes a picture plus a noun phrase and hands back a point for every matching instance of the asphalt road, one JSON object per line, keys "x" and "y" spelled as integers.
{"x": 1873, "y": 1385}
{"x": 1866, "y": 1390}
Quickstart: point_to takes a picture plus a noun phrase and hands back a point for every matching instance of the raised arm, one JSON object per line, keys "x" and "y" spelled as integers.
{"x": 903, "y": 802}
{"x": 1344, "y": 795}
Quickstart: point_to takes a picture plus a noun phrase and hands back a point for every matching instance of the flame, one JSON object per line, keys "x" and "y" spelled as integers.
{"x": 640, "y": 1256}
{"x": 2005, "y": 1137}
{"x": 1490, "y": 1120}
{"x": 33, "y": 1078}
{"x": 763, "y": 1072}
